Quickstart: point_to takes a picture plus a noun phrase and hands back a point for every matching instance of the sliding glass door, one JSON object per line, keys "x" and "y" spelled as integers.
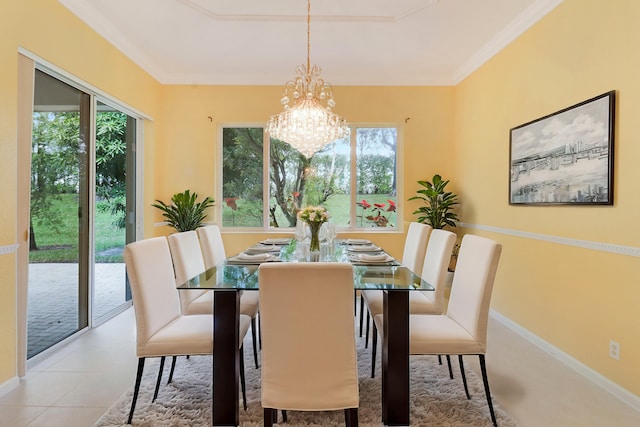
{"x": 82, "y": 211}
{"x": 115, "y": 207}
{"x": 59, "y": 223}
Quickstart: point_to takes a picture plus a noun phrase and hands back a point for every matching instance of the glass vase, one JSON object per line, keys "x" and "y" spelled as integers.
{"x": 314, "y": 245}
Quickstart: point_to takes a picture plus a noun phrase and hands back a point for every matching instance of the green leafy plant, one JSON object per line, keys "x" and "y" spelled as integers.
{"x": 184, "y": 213}
{"x": 438, "y": 203}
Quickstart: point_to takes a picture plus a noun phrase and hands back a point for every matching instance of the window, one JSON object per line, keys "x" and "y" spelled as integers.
{"x": 355, "y": 178}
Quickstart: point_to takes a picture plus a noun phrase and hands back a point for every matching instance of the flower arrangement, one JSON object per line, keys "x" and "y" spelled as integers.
{"x": 315, "y": 216}
{"x": 380, "y": 213}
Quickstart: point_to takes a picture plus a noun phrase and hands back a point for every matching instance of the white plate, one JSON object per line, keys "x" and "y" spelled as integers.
{"x": 254, "y": 257}
{"x": 259, "y": 249}
{"x": 276, "y": 241}
{"x": 358, "y": 242}
{"x": 364, "y": 248}
{"x": 372, "y": 259}
{"x": 245, "y": 258}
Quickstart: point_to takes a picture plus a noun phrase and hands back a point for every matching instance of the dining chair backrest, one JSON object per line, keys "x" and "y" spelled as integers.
{"x": 212, "y": 245}
{"x": 153, "y": 289}
{"x": 309, "y": 357}
{"x": 436, "y": 264}
{"x": 473, "y": 283}
{"x": 415, "y": 246}
{"x": 187, "y": 263}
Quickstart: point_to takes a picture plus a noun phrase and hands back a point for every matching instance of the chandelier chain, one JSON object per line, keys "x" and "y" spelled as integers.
{"x": 307, "y": 125}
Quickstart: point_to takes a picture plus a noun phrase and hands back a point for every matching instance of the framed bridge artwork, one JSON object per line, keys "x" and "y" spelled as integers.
{"x": 565, "y": 158}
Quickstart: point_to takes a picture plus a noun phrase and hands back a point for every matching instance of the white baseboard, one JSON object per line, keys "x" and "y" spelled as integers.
{"x": 621, "y": 393}
{"x": 10, "y": 385}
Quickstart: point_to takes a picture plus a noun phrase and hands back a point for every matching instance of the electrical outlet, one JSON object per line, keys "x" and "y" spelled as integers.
{"x": 614, "y": 349}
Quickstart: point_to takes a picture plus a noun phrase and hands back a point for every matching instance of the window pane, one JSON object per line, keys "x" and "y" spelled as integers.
{"x": 296, "y": 182}
{"x": 376, "y": 164}
{"x": 242, "y": 187}
{"x": 323, "y": 180}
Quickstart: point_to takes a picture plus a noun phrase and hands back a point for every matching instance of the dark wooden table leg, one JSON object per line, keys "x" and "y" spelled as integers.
{"x": 226, "y": 365}
{"x": 395, "y": 359}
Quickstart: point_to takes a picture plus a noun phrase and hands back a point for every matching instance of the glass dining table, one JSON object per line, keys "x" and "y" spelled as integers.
{"x": 240, "y": 273}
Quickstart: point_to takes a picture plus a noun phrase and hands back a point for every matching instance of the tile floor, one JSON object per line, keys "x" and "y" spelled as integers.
{"x": 77, "y": 384}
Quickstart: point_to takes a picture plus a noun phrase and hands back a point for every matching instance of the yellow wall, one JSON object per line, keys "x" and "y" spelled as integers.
{"x": 576, "y": 299}
{"x": 49, "y": 31}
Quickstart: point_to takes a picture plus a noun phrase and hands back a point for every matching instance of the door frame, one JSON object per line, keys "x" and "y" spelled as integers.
{"x": 27, "y": 64}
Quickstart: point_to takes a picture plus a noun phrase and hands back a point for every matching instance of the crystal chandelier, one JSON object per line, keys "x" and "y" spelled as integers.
{"x": 307, "y": 125}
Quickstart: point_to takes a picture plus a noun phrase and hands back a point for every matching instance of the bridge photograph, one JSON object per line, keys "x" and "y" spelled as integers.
{"x": 565, "y": 157}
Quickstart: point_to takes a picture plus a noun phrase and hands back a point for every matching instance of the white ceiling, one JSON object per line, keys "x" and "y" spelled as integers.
{"x": 355, "y": 42}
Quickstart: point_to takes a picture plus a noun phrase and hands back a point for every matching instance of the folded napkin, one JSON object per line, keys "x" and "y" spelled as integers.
{"x": 254, "y": 257}
{"x": 276, "y": 241}
{"x": 262, "y": 249}
{"x": 374, "y": 257}
{"x": 364, "y": 248}
{"x": 358, "y": 241}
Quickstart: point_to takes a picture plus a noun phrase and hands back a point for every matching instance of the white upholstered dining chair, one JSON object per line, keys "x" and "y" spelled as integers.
{"x": 161, "y": 329}
{"x": 187, "y": 263}
{"x": 308, "y": 344}
{"x": 415, "y": 247}
{"x": 434, "y": 271}
{"x": 213, "y": 253}
{"x": 462, "y": 330}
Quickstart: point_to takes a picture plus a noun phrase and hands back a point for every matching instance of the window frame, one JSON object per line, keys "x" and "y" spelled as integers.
{"x": 266, "y": 228}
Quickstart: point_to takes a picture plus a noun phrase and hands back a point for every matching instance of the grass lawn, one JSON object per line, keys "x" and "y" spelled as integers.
{"x": 249, "y": 214}
{"x": 61, "y": 244}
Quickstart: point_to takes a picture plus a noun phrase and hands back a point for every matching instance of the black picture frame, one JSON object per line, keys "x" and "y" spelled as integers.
{"x": 565, "y": 158}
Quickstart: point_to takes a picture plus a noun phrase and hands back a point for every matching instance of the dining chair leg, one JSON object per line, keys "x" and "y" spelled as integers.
{"x": 440, "y": 359}
{"x": 255, "y": 342}
{"x": 464, "y": 377}
{"x": 243, "y": 385}
{"x": 374, "y": 347}
{"x": 284, "y": 415}
{"x": 361, "y": 313}
{"x": 155, "y": 393}
{"x": 351, "y": 417}
{"x": 450, "y": 370}
{"x": 136, "y": 388}
{"x": 259, "y": 331}
{"x": 366, "y": 334}
{"x": 485, "y": 380}
{"x": 268, "y": 417}
{"x": 173, "y": 367}
{"x": 355, "y": 302}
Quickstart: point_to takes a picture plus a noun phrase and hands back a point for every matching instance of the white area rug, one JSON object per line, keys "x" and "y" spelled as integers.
{"x": 436, "y": 400}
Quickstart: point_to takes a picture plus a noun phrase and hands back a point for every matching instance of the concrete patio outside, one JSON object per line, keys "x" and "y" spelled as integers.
{"x": 52, "y": 312}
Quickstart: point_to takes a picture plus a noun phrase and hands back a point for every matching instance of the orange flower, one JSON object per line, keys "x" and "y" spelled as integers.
{"x": 231, "y": 202}
{"x": 364, "y": 204}
{"x": 392, "y": 206}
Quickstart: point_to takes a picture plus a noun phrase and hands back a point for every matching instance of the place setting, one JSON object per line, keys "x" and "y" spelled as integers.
{"x": 262, "y": 249}
{"x": 381, "y": 258}
{"x": 277, "y": 241}
{"x": 246, "y": 258}
{"x": 368, "y": 247}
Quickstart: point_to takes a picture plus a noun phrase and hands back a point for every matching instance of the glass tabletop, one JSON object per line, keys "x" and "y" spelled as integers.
{"x": 236, "y": 273}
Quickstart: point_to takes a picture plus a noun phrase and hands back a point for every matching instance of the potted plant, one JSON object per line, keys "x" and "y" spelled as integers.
{"x": 438, "y": 203}
{"x": 184, "y": 213}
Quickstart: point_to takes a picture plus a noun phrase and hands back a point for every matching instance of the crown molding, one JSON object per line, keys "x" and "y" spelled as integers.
{"x": 523, "y": 22}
